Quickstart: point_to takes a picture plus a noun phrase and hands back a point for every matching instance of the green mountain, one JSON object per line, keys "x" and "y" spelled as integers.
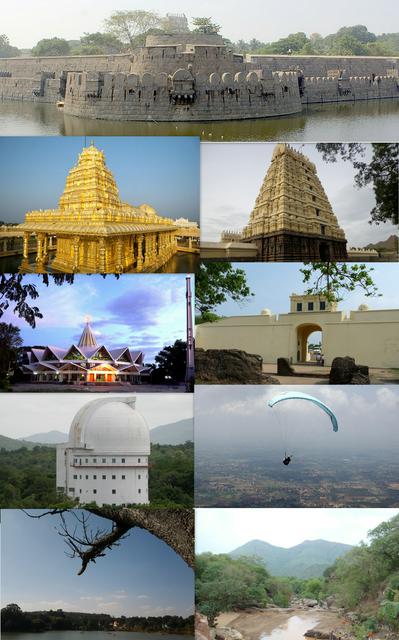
{"x": 12, "y": 445}
{"x": 173, "y": 433}
{"x": 306, "y": 560}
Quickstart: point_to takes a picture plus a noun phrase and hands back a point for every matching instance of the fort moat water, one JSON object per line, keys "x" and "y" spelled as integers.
{"x": 369, "y": 121}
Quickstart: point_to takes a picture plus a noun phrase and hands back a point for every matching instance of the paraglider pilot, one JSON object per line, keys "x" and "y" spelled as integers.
{"x": 287, "y": 459}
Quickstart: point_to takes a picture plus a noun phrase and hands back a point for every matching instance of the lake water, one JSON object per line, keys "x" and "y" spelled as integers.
{"x": 93, "y": 635}
{"x": 373, "y": 121}
{"x": 179, "y": 263}
{"x": 294, "y": 629}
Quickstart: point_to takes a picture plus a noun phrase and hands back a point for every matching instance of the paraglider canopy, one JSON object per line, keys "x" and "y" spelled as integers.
{"x": 298, "y": 395}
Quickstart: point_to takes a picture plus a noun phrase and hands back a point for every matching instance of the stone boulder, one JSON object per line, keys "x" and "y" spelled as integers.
{"x": 346, "y": 371}
{"x": 229, "y": 366}
{"x": 284, "y": 368}
{"x": 227, "y": 633}
{"x": 202, "y": 630}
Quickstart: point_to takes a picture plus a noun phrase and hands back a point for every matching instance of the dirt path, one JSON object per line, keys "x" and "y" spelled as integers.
{"x": 290, "y": 623}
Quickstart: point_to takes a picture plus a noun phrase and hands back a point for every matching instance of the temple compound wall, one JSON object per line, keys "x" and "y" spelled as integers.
{"x": 369, "y": 336}
{"x": 191, "y": 76}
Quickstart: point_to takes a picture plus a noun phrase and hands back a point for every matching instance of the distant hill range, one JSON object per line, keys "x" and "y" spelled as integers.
{"x": 50, "y": 437}
{"x": 390, "y": 245}
{"x": 12, "y": 445}
{"x": 173, "y": 433}
{"x": 306, "y": 560}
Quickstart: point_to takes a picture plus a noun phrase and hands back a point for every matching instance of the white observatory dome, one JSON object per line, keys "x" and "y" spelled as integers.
{"x": 265, "y": 312}
{"x": 110, "y": 425}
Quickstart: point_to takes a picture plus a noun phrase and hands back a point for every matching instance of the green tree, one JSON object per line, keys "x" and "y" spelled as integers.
{"x": 381, "y": 171}
{"x": 98, "y": 44}
{"x": 6, "y": 50}
{"x": 206, "y": 26}
{"x": 347, "y": 45}
{"x": 128, "y": 26}
{"x": 332, "y": 280}
{"x": 359, "y": 32}
{"x": 52, "y": 47}
{"x": 215, "y": 283}
{"x": 171, "y": 363}
{"x": 10, "y": 342}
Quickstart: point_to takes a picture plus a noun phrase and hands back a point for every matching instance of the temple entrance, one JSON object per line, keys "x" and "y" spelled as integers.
{"x": 325, "y": 254}
{"x": 309, "y": 343}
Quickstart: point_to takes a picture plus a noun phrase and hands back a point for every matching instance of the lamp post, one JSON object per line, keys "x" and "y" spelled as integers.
{"x": 190, "y": 337}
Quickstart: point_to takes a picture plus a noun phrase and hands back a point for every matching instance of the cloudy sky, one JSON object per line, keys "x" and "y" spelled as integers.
{"x": 133, "y": 579}
{"x": 143, "y": 312}
{"x": 367, "y": 418}
{"x": 159, "y": 171}
{"x": 273, "y": 284}
{"x": 222, "y": 530}
{"x": 232, "y": 174}
{"x": 27, "y": 21}
{"x": 43, "y": 412}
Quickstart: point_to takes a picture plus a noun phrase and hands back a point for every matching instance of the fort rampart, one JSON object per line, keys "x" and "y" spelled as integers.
{"x": 188, "y": 76}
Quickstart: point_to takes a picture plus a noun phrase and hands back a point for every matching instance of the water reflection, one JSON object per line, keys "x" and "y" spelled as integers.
{"x": 294, "y": 629}
{"x": 371, "y": 121}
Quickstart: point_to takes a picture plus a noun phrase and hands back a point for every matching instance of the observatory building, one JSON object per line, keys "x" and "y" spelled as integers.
{"x": 106, "y": 457}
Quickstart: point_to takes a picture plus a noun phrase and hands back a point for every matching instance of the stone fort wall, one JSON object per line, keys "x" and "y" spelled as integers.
{"x": 182, "y": 96}
{"x": 195, "y": 77}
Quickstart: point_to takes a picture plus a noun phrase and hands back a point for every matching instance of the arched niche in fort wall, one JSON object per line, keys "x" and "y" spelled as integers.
{"x": 227, "y": 80}
{"x": 132, "y": 81}
{"x": 162, "y": 80}
{"x": 214, "y": 80}
{"x": 147, "y": 80}
{"x": 239, "y": 78}
{"x": 252, "y": 79}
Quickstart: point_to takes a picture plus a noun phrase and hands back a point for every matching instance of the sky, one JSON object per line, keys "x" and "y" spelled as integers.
{"x": 223, "y": 530}
{"x": 273, "y": 284}
{"x": 144, "y": 312}
{"x": 141, "y": 577}
{"x": 43, "y": 412}
{"x": 232, "y": 175}
{"x": 160, "y": 171}
{"x": 367, "y": 419}
{"x": 27, "y": 21}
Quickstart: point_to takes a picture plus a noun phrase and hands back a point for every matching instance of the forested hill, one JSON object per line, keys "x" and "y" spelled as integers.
{"x": 9, "y": 444}
{"x": 306, "y": 560}
{"x": 364, "y": 581}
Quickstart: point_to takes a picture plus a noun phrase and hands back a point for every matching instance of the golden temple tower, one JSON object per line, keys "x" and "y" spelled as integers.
{"x": 292, "y": 219}
{"x": 95, "y": 232}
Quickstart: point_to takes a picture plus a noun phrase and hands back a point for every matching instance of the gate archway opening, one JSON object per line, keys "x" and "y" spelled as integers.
{"x": 309, "y": 336}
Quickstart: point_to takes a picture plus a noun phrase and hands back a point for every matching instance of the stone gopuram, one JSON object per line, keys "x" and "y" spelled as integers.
{"x": 292, "y": 219}
{"x": 95, "y": 232}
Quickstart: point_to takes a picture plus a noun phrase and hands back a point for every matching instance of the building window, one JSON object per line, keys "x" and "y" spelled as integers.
{"x": 138, "y": 459}
{"x": 104, "y": 477}
{"x": 323, "y": 229}
{"x": 95, "y": 460}
{"x": 94, "y": 490}
{"x": 80, "y": 477}
{"x": 310, "y": 306}
{"x": 123, "y": 477}
{"x": 317, "y": 212}
{"x": 87, "y": 477}
{"x": 314, "y": 198}
{"x": 113, "y": 490}
{"x": 104, "y": 460}
{"x": 94, "y": 477}
{"x": 113, "y": 459}
{"x": 299, "y": 306}
{"x": 113, "y": 477}
{"x": 75, "y": 477}
{"x": 87, "y": 460}
{"x": 71, "y": 490}
{"x": 75, "y": 461}
{"x": 123, "y": 460}
{"x": 139, "y": 477}
{"x": 139, "y": 490}
{"x": 80, "y": 490}
{"x": 322, "y": 305}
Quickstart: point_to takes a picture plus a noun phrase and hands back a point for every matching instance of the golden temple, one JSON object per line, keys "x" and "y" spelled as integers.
{"x": 94, "y": 231}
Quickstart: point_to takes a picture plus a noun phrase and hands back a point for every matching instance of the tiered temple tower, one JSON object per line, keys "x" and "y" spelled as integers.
{"x": 95, "y": 232}
{"x": 292, "y": 219}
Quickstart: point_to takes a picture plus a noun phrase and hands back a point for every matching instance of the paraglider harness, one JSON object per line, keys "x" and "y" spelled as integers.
{"x": 287, "y": 459}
